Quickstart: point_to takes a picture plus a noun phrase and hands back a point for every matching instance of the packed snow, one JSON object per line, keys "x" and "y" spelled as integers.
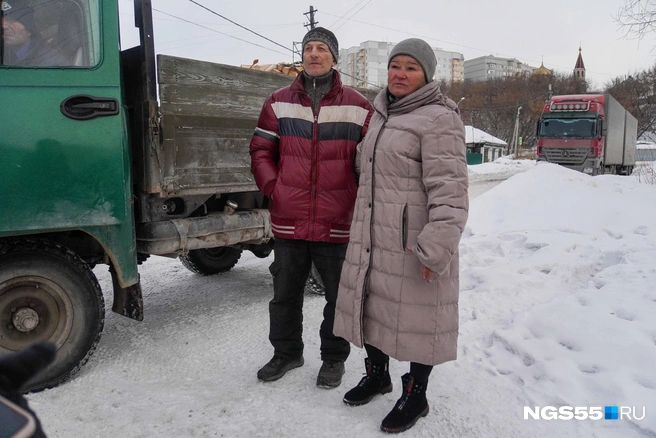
{"x": 501, "y": 169}
{"x": 557, "y": 308}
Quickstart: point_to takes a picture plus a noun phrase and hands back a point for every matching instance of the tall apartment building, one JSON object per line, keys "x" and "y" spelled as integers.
{"x": 490, "y": 67}
{"x": 365, "y": 66}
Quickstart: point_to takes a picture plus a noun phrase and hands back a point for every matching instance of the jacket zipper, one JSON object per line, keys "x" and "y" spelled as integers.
{"x": 366, "y": 275}
{"x": 315, "y": 136}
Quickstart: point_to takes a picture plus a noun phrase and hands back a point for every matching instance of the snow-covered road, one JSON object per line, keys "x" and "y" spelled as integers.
{"x": 188, "y": 370}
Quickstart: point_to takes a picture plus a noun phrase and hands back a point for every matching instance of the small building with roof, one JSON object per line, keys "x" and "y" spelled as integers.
{"x": 482, "y": 147}
{"x": 645, "y": 151}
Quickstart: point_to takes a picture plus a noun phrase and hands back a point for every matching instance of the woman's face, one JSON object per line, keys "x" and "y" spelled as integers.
{"x": 404, "y": 76}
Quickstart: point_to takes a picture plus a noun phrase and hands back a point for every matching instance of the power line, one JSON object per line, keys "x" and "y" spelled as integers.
{"x": 362, "y": 80}
{"x": 354, "y": 14}
{"x": 413, "y": 34}
{"x": 345, "y": 14}
{"x": 231, "y": 36}
{"x": 206, "y": 39}
{"x": 239, "y": 25}
{"x": 216, "y": 31}
{"x": 449, "y": 42}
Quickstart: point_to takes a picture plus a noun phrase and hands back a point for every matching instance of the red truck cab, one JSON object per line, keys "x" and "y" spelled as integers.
{"x": 591, "y": 133}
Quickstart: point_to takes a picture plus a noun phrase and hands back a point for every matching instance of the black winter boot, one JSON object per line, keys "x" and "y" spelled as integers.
{"x": 377, "y": 381}
{"x": 278, "y": 367}
{"x": 330, "y": 374}
{"x": 409, "y": 408}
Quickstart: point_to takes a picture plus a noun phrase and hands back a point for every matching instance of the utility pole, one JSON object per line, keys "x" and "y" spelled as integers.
{"x": 514, "y": 148}
{"x": 297, "y": 51}
{"x": 312, "y": 24}
{"x": 550, "y": 93}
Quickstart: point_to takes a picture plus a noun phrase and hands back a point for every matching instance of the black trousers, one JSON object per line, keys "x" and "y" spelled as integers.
{"x": 290, "y": 269}
{"x": 419, "y": 371}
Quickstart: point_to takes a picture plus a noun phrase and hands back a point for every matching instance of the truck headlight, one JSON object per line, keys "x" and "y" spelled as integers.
{"x": 587, "y": 170}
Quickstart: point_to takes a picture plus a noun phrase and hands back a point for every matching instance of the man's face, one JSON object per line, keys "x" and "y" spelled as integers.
{"x": 317, "y": 59}
{"x": 15, "y": 34}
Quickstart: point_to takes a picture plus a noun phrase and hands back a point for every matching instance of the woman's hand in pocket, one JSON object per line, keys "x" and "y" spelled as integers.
{"x": 426, "y": 273}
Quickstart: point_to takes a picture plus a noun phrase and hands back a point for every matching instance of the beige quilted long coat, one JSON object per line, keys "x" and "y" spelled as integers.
{"x": 412, "y": 193}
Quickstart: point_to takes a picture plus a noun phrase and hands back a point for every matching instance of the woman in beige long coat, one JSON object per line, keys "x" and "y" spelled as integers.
{"x": 398, "y": 293}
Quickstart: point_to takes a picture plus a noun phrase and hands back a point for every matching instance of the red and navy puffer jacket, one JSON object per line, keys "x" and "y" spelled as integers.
{"x": 304, "y": 161}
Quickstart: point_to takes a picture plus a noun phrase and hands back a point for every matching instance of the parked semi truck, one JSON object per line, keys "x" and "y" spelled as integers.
{"x": 97, "y": 168}
{"x": 591, "y": 133}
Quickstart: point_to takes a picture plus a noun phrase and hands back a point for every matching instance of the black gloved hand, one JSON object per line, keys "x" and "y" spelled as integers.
{"x": 17, "y": 368}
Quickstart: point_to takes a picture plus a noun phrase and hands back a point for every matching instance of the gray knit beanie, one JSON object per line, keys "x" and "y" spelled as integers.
{"x": 325, "y": 36}
{"x": 21, "y": 11}
{"x": 420, "y": 51}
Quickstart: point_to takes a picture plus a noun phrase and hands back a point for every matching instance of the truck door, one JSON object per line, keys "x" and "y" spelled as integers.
{"x": 63, "y": 143}
{"x": 64, "y": 171}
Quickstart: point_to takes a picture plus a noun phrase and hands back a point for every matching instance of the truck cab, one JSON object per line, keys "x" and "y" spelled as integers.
{"x": 111, "y": 156}
{"x": 590, "y": 133}
{"x": 570, "y": 133}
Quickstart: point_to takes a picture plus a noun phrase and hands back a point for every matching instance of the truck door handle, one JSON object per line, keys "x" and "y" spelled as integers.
{"x": 85, "y": 107}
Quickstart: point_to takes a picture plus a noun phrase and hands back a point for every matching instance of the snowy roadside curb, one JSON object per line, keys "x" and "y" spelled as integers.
{"x": 498, "y": 170}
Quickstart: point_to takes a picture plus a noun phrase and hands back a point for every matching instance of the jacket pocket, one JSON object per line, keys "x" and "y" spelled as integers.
{"x": 404, "y": 227}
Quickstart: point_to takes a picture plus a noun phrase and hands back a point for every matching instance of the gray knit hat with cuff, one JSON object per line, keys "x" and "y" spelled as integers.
{"x": 420, "y": 51}
{"x": 325, "y": 36}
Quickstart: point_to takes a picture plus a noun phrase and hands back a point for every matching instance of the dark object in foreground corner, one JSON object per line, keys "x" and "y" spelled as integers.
{"x": 17, "y": 368}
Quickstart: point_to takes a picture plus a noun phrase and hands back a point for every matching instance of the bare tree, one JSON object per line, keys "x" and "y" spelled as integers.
{"x": 636, "y": 94}
{"x": 492, "y": 105}
{"x": 637, "y": 17}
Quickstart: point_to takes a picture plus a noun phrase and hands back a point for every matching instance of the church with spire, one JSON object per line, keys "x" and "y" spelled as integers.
{"x": 579, "y": 68}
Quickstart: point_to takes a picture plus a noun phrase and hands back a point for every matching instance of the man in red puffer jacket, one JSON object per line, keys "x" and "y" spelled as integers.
{"x": 302, "y": 157}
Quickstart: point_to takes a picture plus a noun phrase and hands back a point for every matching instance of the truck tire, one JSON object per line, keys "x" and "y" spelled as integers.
{"x": 211, "y": 261}
{"x": 47, "y": 292}
{"x": 314, "y": 283}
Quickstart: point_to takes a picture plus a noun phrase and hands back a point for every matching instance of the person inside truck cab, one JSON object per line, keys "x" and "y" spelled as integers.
{"x": 21, "y": 45}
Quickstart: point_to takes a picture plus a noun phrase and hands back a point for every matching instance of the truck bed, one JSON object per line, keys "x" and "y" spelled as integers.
{"x": 208, "y": 115}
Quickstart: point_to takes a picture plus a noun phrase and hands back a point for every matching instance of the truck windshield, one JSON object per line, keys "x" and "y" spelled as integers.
{"x": 568, "y": 128}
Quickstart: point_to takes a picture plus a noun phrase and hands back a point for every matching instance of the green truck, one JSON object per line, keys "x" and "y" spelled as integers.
{"x": 107, "y": 158}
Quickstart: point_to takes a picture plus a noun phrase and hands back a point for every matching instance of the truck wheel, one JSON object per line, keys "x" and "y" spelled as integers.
{"x": 48, "y": 292}
{"x": 211, "y": 261}
{"x": 314, "y": 283}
